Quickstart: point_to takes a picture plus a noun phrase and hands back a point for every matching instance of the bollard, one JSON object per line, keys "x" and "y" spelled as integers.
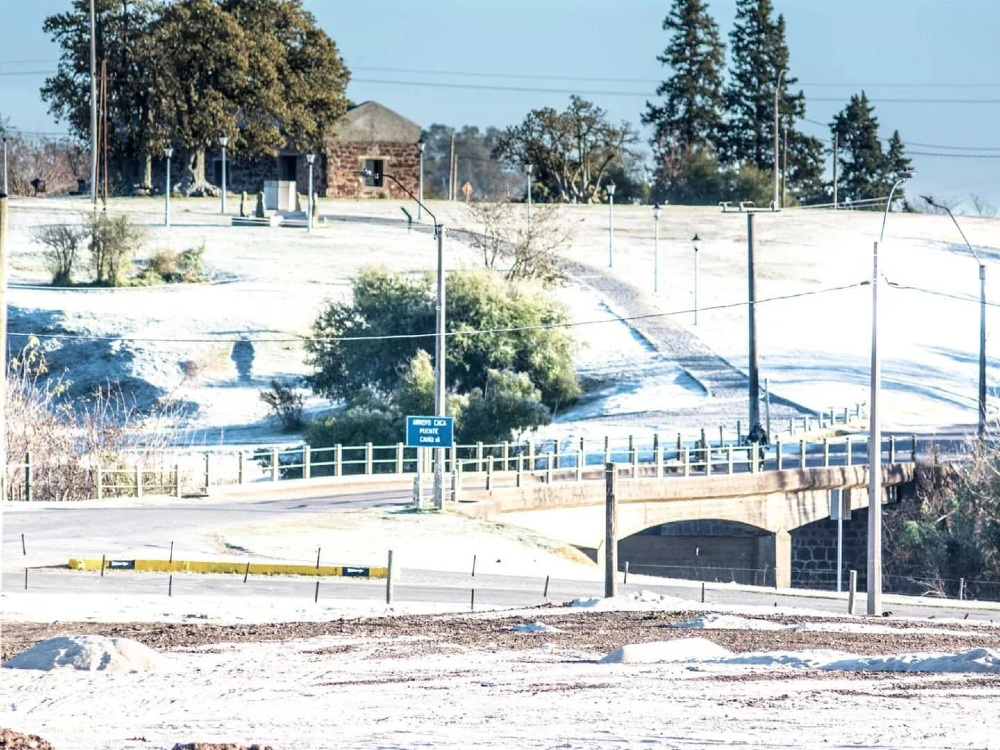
{"x": 241, "y": 476}
{"x": 545, "y": 594}
{"x": 25, "y": 579}
{"x": 847, "y": 450}
{"x": 307, "y": 463}
{"x": 626, "y": 573}
{"x": 961, "y": 587}
{"x": 27, "y": 476}
{"x": 852, "y": 591}
{"x": 702, "y": 592}
{"x": 171, "y": 553}
{"x": 318, "y": 550}
{"x": 472, "y": 601}
{"x": 170, "y": 586}
{"x": 388, "y": 580}
{"x": 580, "y": 460}
{"x": 520, "y": 470}
{"x": 826, "y": 453}
{"x": 246, "y": 573}
{"x": 208, "y": 471}
{"x": 473, "y": 566}
{"x": 102, "y": 566}
{"x": 24, "y": 550}
{"x": 802, "y": 454}
{"x": 177, "y": 478}
{"x": 316, "y": 595}
{"x": 489, "y": 473}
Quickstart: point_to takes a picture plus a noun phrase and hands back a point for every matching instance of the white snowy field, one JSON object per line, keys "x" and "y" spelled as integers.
{"x": 387, "y": 689}
{"x": 177, "y": 342}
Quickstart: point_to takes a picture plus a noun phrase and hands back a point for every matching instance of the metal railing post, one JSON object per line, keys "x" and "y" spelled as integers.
{"x": 580, "y": 459}
{"x": 479, "y": 456}
{"x": 506, "y": 456}
{"x": 729, "y": 458}
{"x": 338, "y": 460}
{"x": 274, "y": 464}
{"x": 369, "y": 459}
{"x": 177, "y": 480}
{"x": 520, "y": 470}
{"x": 208, "y": 471}
{"x": 913, "y": 448}
{"x": 307, "y": 462}
{"x": 138, "y": 481}
{"x": 752, "y": 458}
{"x": 27, "y": 476}
{"x": 802, "y": 454}
{"x": 241, "y": 476}
{"x": 658, "y": 458}
{"x": 489, "y": 473}
{"x": 826, "y": 453}
{"x": 686, "y": 453}
{"x": 847, "y": 449}
{"x": 777, "y": 453}
{"x": 555, "y": 453}
{"x": 399, "y": 458}
{"x": 548, "y": 468}
{"x": 892, "y": 449}
{"x": 100, "y": 482}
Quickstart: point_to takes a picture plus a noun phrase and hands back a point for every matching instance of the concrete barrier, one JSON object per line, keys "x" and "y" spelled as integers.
{"x": 190, "y": 566}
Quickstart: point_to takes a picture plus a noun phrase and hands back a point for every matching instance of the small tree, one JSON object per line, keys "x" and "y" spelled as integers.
{"x": 510, "y": 247}
{"x": 113, "y": 244}
{"x": 62, "y": 244}
{"x": 285, "y": 404}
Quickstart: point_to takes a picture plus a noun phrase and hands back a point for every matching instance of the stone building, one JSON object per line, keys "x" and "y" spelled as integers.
{"x": 369, "y": 136}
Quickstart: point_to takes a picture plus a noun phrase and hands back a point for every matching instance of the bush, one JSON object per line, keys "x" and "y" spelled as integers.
{"x": 113, "y": 244}
{"x": 169, "y": 267}
{"x": 285, "y": 405}
{"x": 62, "y": 244}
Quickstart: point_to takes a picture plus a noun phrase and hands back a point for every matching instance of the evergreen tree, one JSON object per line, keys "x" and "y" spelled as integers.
{"x": 759, "y": 53}
{"x": 862, "y": 161}
{"x": 895, "y": 161}
{"x": 690, "y": 115}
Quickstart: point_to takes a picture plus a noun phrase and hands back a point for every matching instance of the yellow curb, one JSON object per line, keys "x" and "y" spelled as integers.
{"x": 189, "y": 566}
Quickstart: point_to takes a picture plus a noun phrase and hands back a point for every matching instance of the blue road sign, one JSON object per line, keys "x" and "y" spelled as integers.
{"x": 430, "y": 432}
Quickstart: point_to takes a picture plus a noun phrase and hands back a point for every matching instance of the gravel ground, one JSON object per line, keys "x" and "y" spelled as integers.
{"x": 592, "y": 632}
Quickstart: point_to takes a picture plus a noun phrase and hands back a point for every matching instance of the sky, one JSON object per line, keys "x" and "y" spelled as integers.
{"x": 928, "y": 66}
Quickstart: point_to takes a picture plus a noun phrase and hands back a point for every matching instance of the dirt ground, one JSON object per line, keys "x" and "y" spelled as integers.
{"x": 590, "y": 632}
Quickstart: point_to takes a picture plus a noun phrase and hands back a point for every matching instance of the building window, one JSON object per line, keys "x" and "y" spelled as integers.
{"x": 373, "y": 172}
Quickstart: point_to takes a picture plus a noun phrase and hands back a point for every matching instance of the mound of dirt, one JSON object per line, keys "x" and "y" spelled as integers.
{"x": 11, "y": 740}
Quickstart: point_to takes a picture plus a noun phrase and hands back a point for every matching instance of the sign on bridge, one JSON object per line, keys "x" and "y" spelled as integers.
{"x": 430, "y": 432}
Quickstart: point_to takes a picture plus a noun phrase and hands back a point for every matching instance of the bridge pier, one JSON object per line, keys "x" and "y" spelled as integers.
{"x": 782, "y": 559}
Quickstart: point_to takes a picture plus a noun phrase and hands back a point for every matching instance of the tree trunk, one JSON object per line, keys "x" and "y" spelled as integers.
{"x": 195, "y": 183}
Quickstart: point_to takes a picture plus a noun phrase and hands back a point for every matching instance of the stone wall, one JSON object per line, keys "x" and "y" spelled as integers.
{"x": 344, "y": 160}
{"x": 814, "y": 552}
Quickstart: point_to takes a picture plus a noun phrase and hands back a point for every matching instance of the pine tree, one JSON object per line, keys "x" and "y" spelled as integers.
{"x": 895, "y": 161}
{"x": 862, "y": 161}
{"x": 759, "y": 53}
{"x": 690, "y": 115}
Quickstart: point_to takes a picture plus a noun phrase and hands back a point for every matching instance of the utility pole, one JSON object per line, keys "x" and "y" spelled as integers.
{"x": 777, "y": 92}
{"x": 451, "y": 170}
{"x": 751, "y": 305}
{"x": 836, "y": 143}
{"x": 784, "y": 162}
{"x": 610, "y": 530}
{"x": 93, "y": 105}
{"x": 3, "y": 349}
{"x": 5, "y": 164}
{"x": 440, "y": 392}
{"x": 875, "y": 459}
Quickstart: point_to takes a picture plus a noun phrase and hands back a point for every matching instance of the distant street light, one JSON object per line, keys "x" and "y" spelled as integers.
{"x": 529, "y": 168}
{"x": 875, "y": 432}
{"x": 440, "y": 395}
{"x": 695, "y": 240}
{"x": 611, "y": 226}
{"x": 777, "y": 91}
{"x": 223, "y": 141}
{"x": 168, "y": 152}
{"x": 656, "y": 248}
{"x": 5, "y": 165}
{"x": 310, "y": 158}
{"x": 420, "y": 181}
{"x": 982, "y": 318}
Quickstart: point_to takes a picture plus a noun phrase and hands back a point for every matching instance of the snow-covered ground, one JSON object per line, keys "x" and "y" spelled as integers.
{"x": 176, "y": 343}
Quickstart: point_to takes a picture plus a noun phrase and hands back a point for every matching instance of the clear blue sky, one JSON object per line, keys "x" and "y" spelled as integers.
{"x": 894, "y": 49}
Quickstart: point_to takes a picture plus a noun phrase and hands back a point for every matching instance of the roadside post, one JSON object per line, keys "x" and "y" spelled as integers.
{"x": 430, "y": 432}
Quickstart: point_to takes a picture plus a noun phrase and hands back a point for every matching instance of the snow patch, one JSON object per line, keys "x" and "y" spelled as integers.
{"x": 90, "y": 653}
{"x": 727, "y": 622}
{"x": 536, "y": 627}
{"x": 656, "y": 652}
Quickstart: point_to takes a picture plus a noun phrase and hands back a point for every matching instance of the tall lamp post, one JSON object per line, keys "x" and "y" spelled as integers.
{"x": 695, "y": 240}
{"x": 529, "y": 168}
{"x": 656, "y": 247}
{"x": 5, "y": 165}
{"x": 168, "y": 153}
{"x": 223, "y": 141}
{"x": 440, "y": 397}
{"x": 310, "y": 159}
{"x": 875, "y": 432}
{"x": 420, "y": 181}
{"x": 982, "y": 318}
{"x": 611, "y": 225}
{"x": 777, "y": 92}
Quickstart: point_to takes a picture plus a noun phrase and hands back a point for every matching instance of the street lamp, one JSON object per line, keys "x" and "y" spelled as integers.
{"x": 420, "y": 181}
{"x": 5, "y": 165}
{"x": 168, "y": 152}
{"x": 875, "y": 432}
{"x": 656, "y": 247}
{"x": 695, "y": 240}
{"x": 777, "y": 91}
{"x": 529, "y": 168}
{"x": 440, "y": 398}
{"x": 310, "y": 158}
{"x": 982, "y": 319}
{"x": 223, "y": 141}
{"x": 611, "y": 225}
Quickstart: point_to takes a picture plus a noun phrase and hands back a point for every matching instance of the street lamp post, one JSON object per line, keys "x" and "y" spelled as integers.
{"x": 777, "y": 92}
{"x": 529, "y": 168}
{"x": 695, "y": 240}
{"x": 420, "y": 181}
{"x": 656, "y": 247}
{"x": 440, "y": 395}
{"x": 982, "y": 319}
{"x": 310, "y": 159}
{"x": 168, "y": 152}
{"x": 875, "y": 432}
{"x": 611, "y": 225}
{"x": 223, "y": 141}
{"x": 5, "y": 165}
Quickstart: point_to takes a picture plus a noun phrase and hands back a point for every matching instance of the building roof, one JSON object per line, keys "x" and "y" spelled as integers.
{"x": 370, "y": 122}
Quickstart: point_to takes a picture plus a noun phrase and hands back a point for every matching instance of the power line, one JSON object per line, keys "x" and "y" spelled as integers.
{"x": 450, "y": 334}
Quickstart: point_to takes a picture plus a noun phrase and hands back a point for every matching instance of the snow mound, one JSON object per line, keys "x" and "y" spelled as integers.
{"x": 982, "y": 660}
{"x": 684, "y": 649}
{"x": 91, "y": 653}
{"x": 536, "y": 627}
{"x": 727, "y": 622}
{"x": 626, "y": 601}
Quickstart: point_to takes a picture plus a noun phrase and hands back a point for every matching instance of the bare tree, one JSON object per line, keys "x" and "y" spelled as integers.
{"x": 509, "y": 246}
{"x": 983, "y": 207}
{"x": 62, "y": 245}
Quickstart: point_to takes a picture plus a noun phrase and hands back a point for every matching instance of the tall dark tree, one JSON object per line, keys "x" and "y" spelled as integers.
{"x": 690, "y": 115}
{"x": 758, "y": 54}
{"x": 895, "y": 161}
{"x": 862, "y": 160}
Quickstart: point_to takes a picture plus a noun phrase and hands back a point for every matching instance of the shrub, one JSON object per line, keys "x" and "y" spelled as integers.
{"x": 285, "y": 405}
{"x": 113, "y": 244}
{"x": 169, "y": 267}
{"x": 62, "y": 244}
